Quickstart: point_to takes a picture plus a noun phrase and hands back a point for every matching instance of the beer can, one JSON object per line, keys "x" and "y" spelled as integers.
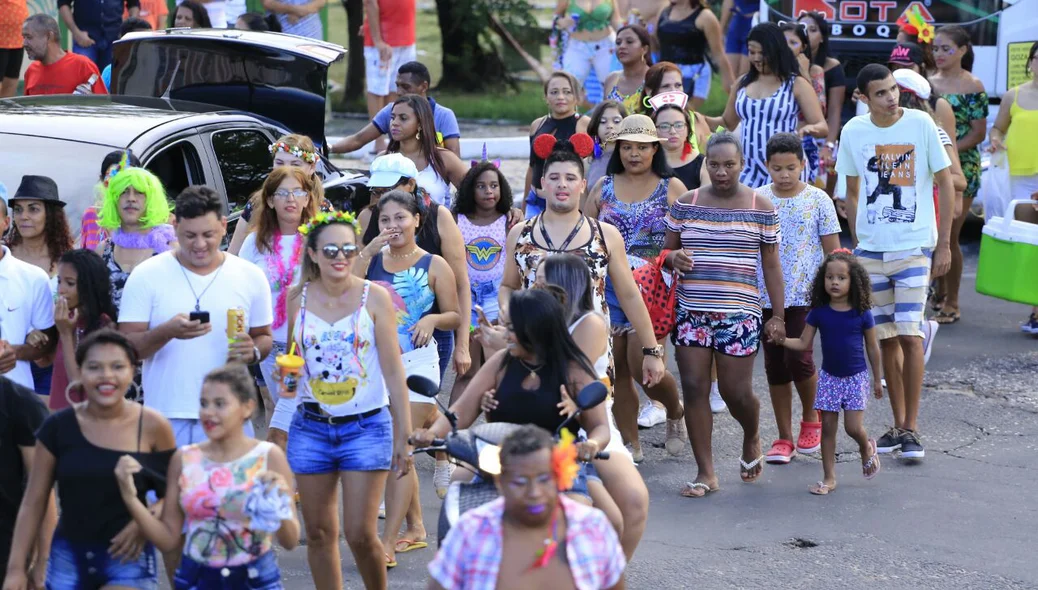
{"x": 235, "y": 322}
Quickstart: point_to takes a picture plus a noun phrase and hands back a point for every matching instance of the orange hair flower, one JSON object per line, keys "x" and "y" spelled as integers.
{"x": 564, "y": 461}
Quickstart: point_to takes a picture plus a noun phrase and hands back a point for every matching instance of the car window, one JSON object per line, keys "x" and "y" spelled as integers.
{"x": 178, "y": 167}
{"x": 244, "y": 157}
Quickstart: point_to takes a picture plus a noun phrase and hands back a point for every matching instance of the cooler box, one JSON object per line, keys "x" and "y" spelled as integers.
{"x": 1008, "y": 266}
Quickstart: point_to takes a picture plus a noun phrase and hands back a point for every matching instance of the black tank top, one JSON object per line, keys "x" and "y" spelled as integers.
{"x": 561, "y": 129}
{"x": 522, "y": 406}
{"x": 681, "y": 42}
{"x": 689, "y": 173}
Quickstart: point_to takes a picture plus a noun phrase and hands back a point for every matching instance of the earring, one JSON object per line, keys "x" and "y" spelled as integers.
{"x": 418, "y": 135}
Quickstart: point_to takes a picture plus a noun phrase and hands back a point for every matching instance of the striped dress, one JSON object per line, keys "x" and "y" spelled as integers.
{"x": 724, "y": 245}
{"x": 762, "y": 118}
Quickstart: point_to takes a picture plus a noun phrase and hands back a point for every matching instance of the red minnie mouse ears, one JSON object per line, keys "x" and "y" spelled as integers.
{"x": 544, "y": 145}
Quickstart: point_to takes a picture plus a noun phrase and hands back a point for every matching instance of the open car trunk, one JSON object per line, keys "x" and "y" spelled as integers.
{"x": 283, "y": 78}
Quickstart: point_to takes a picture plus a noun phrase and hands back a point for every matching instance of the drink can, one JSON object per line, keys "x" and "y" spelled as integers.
{"x": 235, "y": 322}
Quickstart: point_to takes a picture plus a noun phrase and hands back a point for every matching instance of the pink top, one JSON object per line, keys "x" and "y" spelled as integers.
{"x": 58, "y": 400}
{"x": 470, "y": 556}
{"x": 484, "y": 248}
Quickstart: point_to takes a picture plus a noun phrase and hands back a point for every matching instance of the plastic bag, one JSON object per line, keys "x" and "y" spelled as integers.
{"x": 995, "y": 192}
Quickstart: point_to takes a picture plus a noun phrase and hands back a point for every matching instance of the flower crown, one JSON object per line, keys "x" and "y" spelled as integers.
{"x": 913, "y": 23}
{"x": 564, "y": 460}
{"x": 330, "y": 217}
{"x": 280, "y": 146}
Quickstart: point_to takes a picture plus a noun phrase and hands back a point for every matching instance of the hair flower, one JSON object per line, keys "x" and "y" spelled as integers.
{"x": 564, "y": 461}
{"x": 330, "y": 217}
{"x": 280, "y": 146}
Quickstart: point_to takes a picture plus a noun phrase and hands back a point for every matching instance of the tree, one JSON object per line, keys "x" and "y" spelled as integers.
{"x": 471, "y": 57}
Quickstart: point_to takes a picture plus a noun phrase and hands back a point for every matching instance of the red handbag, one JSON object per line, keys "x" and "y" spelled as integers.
{"x": 660, "y": 300}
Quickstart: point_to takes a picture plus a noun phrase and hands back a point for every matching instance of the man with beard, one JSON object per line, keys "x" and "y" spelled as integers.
{"x": 532, "y": 536}
{"x": 54, "y": 70}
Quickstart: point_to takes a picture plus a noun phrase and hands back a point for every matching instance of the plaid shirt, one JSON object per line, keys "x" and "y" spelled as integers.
{"x": 471, "y": 554}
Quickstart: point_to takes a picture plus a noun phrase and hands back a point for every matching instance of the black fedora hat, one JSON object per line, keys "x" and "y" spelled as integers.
{"x": 39, "y": 188}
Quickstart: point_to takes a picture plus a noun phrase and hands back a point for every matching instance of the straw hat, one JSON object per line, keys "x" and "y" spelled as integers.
{"x": 637, "y": 128}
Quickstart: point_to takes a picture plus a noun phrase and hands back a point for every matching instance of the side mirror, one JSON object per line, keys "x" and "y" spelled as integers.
{"x": 591, "y": 395}
{"x": 423, "y": 386}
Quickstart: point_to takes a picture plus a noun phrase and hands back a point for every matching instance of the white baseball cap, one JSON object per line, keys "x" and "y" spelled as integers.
{"x": 913, "y": 82}
{"x": 387, "y": 170}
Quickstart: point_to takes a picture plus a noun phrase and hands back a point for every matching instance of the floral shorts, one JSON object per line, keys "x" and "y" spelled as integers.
{"x": 734, "y": 334}
{"x": 842, "y": 393}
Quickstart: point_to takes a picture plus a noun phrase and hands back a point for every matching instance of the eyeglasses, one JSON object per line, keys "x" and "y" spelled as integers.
{"x": 783, "y": 23}
{"x": 296, "y": 193}
{"x": 666, "y": 127}
{"x": 331, "y": 251}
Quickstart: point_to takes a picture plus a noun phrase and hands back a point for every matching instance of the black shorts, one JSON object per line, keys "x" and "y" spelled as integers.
{"x": 11, "y": 62}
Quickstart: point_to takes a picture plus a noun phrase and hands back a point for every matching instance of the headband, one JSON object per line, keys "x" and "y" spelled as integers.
{"x": 280, "y": 146}
{"x": 328, "y": 218}
{"x": 124, "y": 163}
{"x": 656, "y": 102}
{"x": 913, "y": 23}
{"x": 496, "y": 163}
{"x": 544, "y": 145}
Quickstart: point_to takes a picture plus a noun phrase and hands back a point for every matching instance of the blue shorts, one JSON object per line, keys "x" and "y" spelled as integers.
{"x": 445, "y": 347}
{"x": 696, "y": 79}
{"x": 189, "y": 431}
{"x": 484, "y": 294}
{"x": 260, "y": 574}
{"x": 618, "y": 322}
{"x": 318, "y": 447}
{"x": 842, "y": 393}
{"x": 738, "y": 34}
{"x": 74, "y": 565}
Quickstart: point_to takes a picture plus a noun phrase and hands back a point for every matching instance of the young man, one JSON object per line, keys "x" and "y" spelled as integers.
{"x": 94, "y": 25}
{"x": 26, "y": 303}
{"x": 412, "y": 78}
{"x": 899, "y": 154}
{"x": 54, "y": 70}
{"x": 389, "y": 42}
{"x": 175, "y": 309}
{"x": 530, "y": 516}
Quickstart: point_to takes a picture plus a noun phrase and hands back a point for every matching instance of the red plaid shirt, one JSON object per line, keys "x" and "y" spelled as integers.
{"x": 471, "y": 554}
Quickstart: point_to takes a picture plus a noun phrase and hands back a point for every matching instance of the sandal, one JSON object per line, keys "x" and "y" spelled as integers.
{"x": 692, "y": 487}
{"x": 745, "y": 469}
{"x": 781, "y": 453}
{"x": 810, "y": 439}
{"x": 937, "y": 303}
{"x": 821, "y": 489}
{"x": 390, "y": 564}
{"x": 405, "y": 545}
{"x": 871, "y": 468}
{"x": 948, "y": 317}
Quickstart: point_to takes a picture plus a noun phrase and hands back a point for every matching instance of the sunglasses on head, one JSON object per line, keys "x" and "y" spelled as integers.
{"x": 331, "y": 251}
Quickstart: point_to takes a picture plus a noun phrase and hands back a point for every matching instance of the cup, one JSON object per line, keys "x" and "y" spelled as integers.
{"x": 289, "y": 366}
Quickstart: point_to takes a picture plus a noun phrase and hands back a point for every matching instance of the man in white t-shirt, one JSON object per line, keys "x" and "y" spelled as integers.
{"x": 26, "y": 303}
{"x": 893, "y": 224}
{"x": 174, "y": 308}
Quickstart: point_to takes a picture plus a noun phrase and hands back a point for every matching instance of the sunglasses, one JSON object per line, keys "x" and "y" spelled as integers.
{"x": 331, "y": 251}
{"x": 296, "y": 193}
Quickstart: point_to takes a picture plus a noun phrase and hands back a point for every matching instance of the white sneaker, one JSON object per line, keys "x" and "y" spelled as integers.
{"x": 717, "y": 404}
{"x": 382, "y": 510}
{"x": 929, "y": 328}
{"x": 651, "y": 415}
{"x": 442, "y": 477}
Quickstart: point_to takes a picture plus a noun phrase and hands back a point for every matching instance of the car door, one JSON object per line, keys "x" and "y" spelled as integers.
{"x": 179, "y": 161}
{"x": 242, "y": 155}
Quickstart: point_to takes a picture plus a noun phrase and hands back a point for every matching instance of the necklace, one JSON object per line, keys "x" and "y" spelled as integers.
{"x": 401, "y": 256}
{"x": 572, "y": 234}
{"x": 281, "y": 275}
{"x": 533, "y": 370}
{"x": 198, "y": 296}
{"x": 551, "y": 544}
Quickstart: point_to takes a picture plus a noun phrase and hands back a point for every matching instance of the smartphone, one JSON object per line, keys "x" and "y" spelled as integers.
{"x": 201, "y": 316}
{"x": 481, "y": 316}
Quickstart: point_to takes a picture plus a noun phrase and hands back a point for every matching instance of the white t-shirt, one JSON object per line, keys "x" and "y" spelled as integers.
{"x": 26, "y": 304}
{"x": 896, "y": 165}
{"x": 157, "y": 290}
{"x": 252, "y": 254}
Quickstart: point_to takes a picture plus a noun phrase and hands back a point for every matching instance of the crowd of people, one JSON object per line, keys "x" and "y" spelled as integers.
{"x": 158, "y": 353}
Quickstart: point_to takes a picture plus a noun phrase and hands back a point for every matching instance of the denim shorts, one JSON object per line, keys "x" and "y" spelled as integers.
{"x": 445, "y": 347}
{"x": 318, "y": 447}
{"x": 261, "y": 574}
{"x": 75, "y": 565}
{"x": 484, "y": 294}
{"x": 618, "y": 322}
{"x": 696, "y": 78}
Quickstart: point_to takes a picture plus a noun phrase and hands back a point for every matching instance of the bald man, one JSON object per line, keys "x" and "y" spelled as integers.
{"x": 54, "y": 70}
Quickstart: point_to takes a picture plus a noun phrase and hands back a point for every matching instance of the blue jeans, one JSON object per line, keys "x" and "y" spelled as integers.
{"x": 261, "y": 574}
{"x": 77, "y": 566}
{"x": 316, "y": 447}
{"x": 100, "y": 52}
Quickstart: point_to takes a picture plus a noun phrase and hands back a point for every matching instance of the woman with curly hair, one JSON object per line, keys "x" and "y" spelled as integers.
{"x": 135, "y": 214}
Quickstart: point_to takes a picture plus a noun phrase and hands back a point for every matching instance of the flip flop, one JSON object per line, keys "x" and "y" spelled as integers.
{"x": 873, "y": 460}
{"x": 409, "y": 545}
{"x": 697, "y": 485}
{"x": 390, "y": 564}
{"x": 745, "y": 469}
{"x": 947, "y": 317}
{"x": 820, "y": 489}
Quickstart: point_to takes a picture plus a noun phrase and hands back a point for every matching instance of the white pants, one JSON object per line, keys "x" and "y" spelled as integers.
{"x": 581, "y": 56}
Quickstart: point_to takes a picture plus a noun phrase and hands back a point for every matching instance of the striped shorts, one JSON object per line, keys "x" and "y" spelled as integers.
{"x": 899, "y": 289}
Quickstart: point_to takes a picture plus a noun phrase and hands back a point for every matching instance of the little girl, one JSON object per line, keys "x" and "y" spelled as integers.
{"x": 841, "y": 298}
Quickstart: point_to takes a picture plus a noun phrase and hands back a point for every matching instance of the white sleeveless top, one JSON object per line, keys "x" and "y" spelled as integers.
{"x": 601, "y": 364}
{"x": 439, "y": 190}
{"x": 342, "y": 372}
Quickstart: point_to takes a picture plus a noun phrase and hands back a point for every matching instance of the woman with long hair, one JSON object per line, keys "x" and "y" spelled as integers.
{"x": 634, "y": 197}
{"x": 482, "y": 207}
{"x": 96, "y": 544}
{"x": 953, "y": 54}
{"x": 606, "y": 118}
{"x": 135, "y": 215}
{"x": 90, "y": 233}
{"x": 227, "y": 498}
{"x": 690, "y": 37}
{"x": 835, "y": 78}
{"x": 591, "y": 25}
{"x": 718, "y": 235}
{"x": 562, "y": 92}
{"x": 674, "y": 127}
{"x": 191, "y": 14}
{"x": 345, "y": 328}
{"x": 413, "y": 134}
{"x": 769, "y": 100}
{"x": 634, "y": 52}
{"x": 800, "y": 45}
{"x": 422, "y": 288}
{"x": 664, "y": 77}
{"x": 286, "y": 201}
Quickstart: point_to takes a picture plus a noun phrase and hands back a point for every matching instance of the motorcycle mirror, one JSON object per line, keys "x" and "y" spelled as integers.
{"x": 423, "y": 386}
{"x": 490, "y": 459}
{"x": 591, "y": 395}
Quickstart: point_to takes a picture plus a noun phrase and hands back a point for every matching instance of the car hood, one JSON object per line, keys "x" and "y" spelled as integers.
{"x": 276, "y": 76}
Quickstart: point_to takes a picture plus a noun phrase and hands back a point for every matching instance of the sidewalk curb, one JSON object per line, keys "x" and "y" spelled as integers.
{"x": 508, "y": 148}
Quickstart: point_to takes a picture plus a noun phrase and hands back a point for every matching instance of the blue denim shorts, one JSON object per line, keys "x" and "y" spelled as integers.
{"x": 618, "y": 322}
{"x": 261, "y": 574}
{"x": 484, "y": 294}
{"x": 445, "y": 347}
{"x": 75, "y": 566}
{"x": 362, "y": 445}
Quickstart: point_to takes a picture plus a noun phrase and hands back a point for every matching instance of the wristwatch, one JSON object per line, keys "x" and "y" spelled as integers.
{"x": 656, "y": 351}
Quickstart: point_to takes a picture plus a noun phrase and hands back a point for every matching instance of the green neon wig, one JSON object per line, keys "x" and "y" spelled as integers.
{"x": 156, "y": 208}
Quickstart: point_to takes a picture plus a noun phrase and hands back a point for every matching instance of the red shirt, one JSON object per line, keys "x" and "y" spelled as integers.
{"x": 62, "y": 76}
{"x": 396, "y": 21}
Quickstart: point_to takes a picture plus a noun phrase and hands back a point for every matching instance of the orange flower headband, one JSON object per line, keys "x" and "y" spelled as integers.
{"x": 564, "y": 461}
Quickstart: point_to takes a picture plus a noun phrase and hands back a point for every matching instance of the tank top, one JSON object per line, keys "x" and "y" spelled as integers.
{"x": 528, "y": 256}
{"x": 642, "y": 224}
{"x": 632, "y": 102}
{"x": 523, "y": 406}
{"x": 561, "y": 129}
{"x": 681, "y": 42}
{"x": 484, "y": 248}
{"x": 214, "y": 498}
{"x": 689, "y": 173}
{"x": 342, "y": 372}
{"x": 411, "y": 292}
{"x": 601, "y": 364}
{"x": 437, "y": 188}
{"x": 762, "y": 118}
{"x": 1022, "y": 140}
{"x": 596, "y": 20}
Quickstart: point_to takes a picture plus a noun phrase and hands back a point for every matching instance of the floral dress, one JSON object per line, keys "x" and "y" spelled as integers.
{"x": 969, "y": 107}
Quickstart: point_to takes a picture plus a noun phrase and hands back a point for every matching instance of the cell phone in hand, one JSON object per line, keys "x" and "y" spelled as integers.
{"x": 482, "y": 317}
{"x": 201, "y": 316}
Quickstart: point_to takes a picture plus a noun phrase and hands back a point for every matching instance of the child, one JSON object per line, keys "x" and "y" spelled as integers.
{"x": 810, "y": 230}
{"x": 841, "y": 299}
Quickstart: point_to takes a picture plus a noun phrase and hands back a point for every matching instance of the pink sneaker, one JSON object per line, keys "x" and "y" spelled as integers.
{"x": 782, "y": 452}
